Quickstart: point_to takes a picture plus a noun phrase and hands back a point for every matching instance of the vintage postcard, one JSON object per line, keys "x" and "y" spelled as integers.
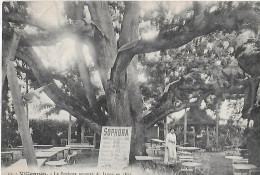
{"x": 130, "y": 87}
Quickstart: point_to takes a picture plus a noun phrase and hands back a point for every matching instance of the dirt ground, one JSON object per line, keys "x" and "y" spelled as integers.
{"x": 218, "y": 164}
{"x": 215, "y": 160}
{"x": 88, "y": 161}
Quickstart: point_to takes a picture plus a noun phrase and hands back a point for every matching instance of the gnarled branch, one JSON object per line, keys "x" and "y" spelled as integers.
{"x": 202, "y": 23}
{"x": 62, "y": 100}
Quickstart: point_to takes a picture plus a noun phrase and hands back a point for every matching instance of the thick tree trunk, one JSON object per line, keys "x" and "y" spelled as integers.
{"x": 136, "y": 109}
{"x": 122, "y": 92}
{"x": 129, "y": 33}
{"x": 104, "y": 39}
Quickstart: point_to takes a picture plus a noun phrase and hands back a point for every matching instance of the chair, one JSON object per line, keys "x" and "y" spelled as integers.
{"x": 203, "y": 170}
{"x": 155, "y": 150}
{"x": 73, "y": 141}
{"x": 186, "y": 160}
{"x": 70, "y": 159}
{"x": 254, "y": 171}
{"x": 161, "y": 167}
{"x": 184, "y": 153}
{"x": 229, "y": 152}
{"x": 239, "y": 173}
{"x": 186, "y": 171}
{"x": 64, "y": 142}
{"x": 236, "y": 151}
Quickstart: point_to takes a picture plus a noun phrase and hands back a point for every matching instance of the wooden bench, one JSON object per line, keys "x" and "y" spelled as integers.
{"x": 63, "y": 150}
{"x": 184, "y": 153}
{"x": 157, "y": 141}
{"x": 70, "y": 159}
{"x": 78, "y": 147}
{"x": 46, "y": 155}
{"x": 186, "y": 160}
{"x": 55, "y": 163}
{"x": 21, "y": 165}
{"x": 5, "y": 156}
{"x": 154, "y": 149}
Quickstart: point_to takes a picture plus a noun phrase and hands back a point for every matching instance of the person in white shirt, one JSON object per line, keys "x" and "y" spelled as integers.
{"x": 170, "y": 148}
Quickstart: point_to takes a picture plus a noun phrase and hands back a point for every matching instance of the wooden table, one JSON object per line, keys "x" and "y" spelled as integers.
{"x": 39, "y": 146}
{"x": 46, "y": 155}
{"x": 7, "y": 153}
{"x": 189, "y": 148}
{"x": 243, "y": 168}
{"x": 58, "y": 149}
{"x": 241, "y": 149}
{"x": 156, "y": 149}
{"x": 184, "y": 153}
{"x": 55, "y": 163}
{"x": 147, "y": 158}
{"x": 233, "y": 157}
{"x": 64, "y": 150}
{"x": 80, "y": 146}
{"x": 186, "y": 157}
{"x": 157, "y": 141}
{"x": 191, "y": 164}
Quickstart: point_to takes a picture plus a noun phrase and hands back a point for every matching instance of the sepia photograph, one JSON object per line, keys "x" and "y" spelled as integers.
{"x": 130, "y": 88}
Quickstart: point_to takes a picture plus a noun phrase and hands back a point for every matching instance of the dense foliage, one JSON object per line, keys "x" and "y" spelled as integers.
{"x": 50, "y": 132}
{"x": 197, "y": 59}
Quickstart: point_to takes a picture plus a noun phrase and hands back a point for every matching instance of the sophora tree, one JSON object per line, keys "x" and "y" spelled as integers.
{"x": 111, "y": 31}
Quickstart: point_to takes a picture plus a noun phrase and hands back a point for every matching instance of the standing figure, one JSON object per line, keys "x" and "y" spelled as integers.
{"x": 170, "y": 148}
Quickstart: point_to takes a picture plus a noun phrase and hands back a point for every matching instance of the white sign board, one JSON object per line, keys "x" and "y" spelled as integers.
{"x": 114, "y": 147}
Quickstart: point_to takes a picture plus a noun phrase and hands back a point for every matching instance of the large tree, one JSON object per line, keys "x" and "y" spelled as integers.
{"x": 111, "y": 31}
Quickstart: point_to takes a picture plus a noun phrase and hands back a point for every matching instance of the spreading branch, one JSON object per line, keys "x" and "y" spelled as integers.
{"x": 152, "y": 118}
{"x": 167, "y": 107}
{"x": 203, "y": 23}
{"x": 128, "y": 33}
{"x": 62, "y": 100}
{"x": 105, "y": 47}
